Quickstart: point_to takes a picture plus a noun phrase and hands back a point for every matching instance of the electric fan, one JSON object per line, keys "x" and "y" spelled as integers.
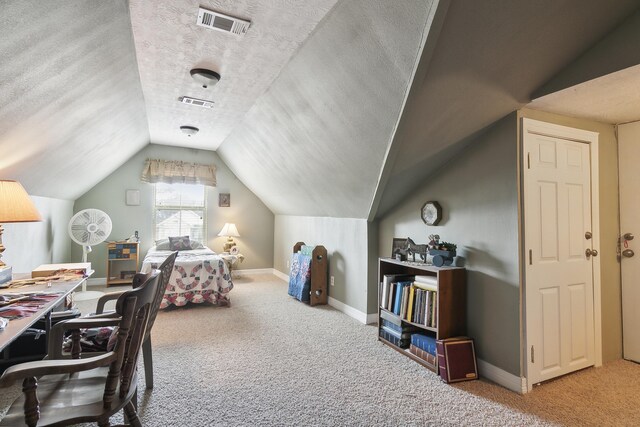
{"x": 87, "y": 228}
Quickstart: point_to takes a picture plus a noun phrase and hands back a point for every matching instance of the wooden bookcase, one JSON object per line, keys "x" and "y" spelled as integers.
{"x": 121, "y": 257}
{"x": 451, "y": 302}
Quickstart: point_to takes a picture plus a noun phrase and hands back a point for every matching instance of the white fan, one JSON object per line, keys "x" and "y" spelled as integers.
{"x": 87, "y": 228}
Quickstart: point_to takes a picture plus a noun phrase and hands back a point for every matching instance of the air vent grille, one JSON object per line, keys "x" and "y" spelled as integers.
{"x": 220, "y": 22}
{"x": 195, "y": 101}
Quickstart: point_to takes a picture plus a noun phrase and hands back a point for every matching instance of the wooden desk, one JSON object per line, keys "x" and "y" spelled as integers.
{"x": 16, "y": 327}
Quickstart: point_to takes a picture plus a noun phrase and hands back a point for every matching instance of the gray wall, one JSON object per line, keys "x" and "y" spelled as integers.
{"x": 478, "y": 193}
{"x": 253, "y": 219}
{"x": 33, "y": 243}
{"x": 346, "y": 243}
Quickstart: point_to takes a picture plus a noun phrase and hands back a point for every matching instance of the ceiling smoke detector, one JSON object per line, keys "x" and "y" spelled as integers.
{"x": 205, "y": 77}
{"x": 189, "y": 130}
{"x": 225, "y": 23}
{"x": 195, "y": 101}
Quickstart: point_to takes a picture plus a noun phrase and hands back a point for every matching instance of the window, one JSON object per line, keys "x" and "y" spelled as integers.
{"x": 180, "y": 211}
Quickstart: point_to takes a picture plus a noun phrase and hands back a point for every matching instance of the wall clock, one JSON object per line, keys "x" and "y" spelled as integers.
{"x": 431, "y": 213}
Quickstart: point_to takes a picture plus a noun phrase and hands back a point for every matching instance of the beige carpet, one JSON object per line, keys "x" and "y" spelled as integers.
{"x": 270, "y": 360}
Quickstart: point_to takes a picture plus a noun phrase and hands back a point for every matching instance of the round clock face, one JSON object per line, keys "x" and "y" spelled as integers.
{"x": 431, "y": 213}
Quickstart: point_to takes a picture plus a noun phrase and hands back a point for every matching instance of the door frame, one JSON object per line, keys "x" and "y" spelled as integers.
{"x": 563, "y": 132}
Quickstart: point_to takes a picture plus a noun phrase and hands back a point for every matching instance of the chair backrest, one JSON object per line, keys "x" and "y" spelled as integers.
{"x": 165, "y": 273}
{"x": 134, "y": 307}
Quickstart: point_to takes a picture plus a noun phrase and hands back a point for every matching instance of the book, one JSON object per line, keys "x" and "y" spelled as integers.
{"x": 392, "y": 295}
{"x": 385, "y": 315}
{"x": 425, "y": 286}
{"x": 400, "y": 286}
{"x": 457, "y": 359}
{"x": 384, "y": 293}
{"x": 424, "y": 342}
{"x": 427, "y": 280}
{"x": 412, "y": 290}
{"x": 427, "y": 357}
{"x": 427, "y": 307}
{"x": 387, "y": 324}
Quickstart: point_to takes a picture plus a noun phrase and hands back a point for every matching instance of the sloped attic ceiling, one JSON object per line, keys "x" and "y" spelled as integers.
{"x": 71, "y": 105}
{"x": 315, "y": 142}
{"x": 490, "y": 57}
{"x": 169, "y": 44}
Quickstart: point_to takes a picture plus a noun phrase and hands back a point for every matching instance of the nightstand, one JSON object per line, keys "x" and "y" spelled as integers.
{"x": 231, "y": 259}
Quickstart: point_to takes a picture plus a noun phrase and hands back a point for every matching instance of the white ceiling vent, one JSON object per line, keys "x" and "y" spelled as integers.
{"x": 195, "y": 101}
{"x": 220, "y": 22}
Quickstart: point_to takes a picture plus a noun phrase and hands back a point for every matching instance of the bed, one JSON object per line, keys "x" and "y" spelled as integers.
{"x": 199, "y": 275}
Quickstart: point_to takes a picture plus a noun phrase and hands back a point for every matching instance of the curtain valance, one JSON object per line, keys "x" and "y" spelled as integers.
{"x": 176, "y": 172}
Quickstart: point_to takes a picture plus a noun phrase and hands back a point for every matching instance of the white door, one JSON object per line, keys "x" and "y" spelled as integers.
{"x": 629, "y": 163}
{"x": 559, "y": 273}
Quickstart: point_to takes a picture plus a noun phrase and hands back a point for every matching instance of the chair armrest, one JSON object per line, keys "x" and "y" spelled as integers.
{"x": 48, "y": 367}
{"x": 57, "y": 331}
{"x": 105, "y": 299}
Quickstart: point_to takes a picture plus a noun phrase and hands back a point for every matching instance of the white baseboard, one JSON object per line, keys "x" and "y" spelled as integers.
{"x": 349, "y": 311}
{"x": 279, "y": 274}
{"x": 251, "y": 272}
{"x": 501, "y": 377}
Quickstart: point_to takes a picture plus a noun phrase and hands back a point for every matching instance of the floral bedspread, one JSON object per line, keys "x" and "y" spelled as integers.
{"x": 199, "y": 275}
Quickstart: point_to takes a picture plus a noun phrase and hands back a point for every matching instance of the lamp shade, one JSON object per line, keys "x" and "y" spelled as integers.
{"x": 229, "y": 229}
{"x": 15, "y": 204}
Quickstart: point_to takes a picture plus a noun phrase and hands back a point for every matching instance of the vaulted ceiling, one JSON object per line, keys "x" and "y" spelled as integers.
{"x": 322, "y": 108}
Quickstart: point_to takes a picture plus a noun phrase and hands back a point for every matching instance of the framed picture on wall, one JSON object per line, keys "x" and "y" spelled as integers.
{"x": 224, "y": 200}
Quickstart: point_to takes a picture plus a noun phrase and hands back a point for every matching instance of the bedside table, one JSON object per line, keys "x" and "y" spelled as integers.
{"x": 231, "y": 260}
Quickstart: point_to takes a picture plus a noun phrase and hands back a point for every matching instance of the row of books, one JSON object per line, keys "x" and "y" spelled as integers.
{"x": 413, "y": 298}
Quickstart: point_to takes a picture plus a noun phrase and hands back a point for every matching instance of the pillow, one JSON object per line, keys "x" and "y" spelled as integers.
{"x": 196, "y": 245}
{"x": 162, "y": 244}
{"x": 180, "y": 243}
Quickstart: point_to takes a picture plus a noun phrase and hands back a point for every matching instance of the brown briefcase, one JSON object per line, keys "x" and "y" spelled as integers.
{"x": 456, "y": 359}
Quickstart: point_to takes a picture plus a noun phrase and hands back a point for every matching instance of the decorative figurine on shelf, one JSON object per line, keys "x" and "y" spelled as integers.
{"x": 442, "y": 252}
{"x": 413, "y": 249}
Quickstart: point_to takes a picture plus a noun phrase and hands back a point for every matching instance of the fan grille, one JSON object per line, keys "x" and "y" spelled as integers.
{"x": 90, "y": 227}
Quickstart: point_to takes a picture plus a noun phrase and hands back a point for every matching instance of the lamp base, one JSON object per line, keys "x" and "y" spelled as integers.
{"x": 228, "y": 245}
{"x": 5, "y": 273}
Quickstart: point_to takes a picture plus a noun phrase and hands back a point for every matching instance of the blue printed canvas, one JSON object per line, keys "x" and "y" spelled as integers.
{"x": 300, "y": 277}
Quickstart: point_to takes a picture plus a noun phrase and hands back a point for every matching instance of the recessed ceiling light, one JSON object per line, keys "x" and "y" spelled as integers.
{"x": 189, "y": 130}
{"x": 205, "y": 77}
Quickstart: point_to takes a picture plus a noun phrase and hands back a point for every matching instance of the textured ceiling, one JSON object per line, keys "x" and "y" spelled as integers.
{"x": 169, "y": 44}
{"x": 614, "y": 98}
{"x": 315, "y": 143}
{"x": 491, "y": 56}
{"x": 71, "y": 106}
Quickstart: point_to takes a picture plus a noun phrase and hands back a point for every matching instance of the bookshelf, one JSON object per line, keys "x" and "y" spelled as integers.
{"x": 449, "y": 306}
{"x": 122, "y": 262}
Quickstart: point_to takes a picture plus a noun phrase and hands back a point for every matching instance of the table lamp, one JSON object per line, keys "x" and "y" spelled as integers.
{"x": 229, "y": 230}
{"x": 15, "y": 206}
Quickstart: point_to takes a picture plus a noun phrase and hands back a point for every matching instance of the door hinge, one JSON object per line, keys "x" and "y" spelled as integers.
{"x": 528, "y": 160}
{"x": 532, "y": 355}
{"x": 530, "y": 257}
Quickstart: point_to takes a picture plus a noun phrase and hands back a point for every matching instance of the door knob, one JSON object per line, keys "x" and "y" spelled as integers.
{"x": 591, "y": 252}
{"x": 628, "y": 253}
{"x": 628, "y": 236}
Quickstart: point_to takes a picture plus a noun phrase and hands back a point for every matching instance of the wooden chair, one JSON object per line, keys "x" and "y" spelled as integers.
{"x": 93, "y": 389}
{"x": 55, "y": 350}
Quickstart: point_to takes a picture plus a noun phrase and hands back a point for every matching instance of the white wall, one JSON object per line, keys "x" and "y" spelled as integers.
{"x": 33, "y": 243}
{"x": 346, "y": 243}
